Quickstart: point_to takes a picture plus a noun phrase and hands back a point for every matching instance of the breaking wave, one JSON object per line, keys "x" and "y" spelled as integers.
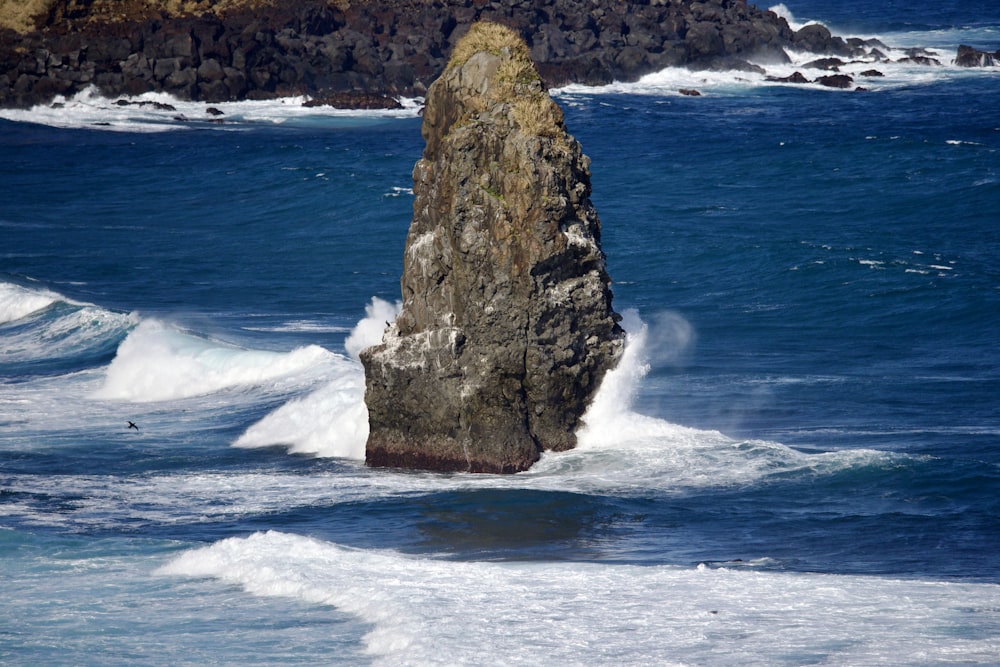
{"x": 158, "y": 362}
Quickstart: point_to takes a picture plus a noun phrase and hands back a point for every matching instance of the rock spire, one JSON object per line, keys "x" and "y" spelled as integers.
{"x": 507, "y": 327}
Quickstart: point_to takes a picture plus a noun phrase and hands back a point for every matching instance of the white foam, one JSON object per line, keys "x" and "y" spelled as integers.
{"x": 622, "y": 451}
{"x": 17, "y": 302}
{"x": 784, "y": 12}
{"x": 103, "y": 502}
{"x": 440, "y": 612}
{"x": 619, "y": 450}
{"x": 378, "y": 315}
{"x": 160, "y": 112}
{"x": 331, "y": 421}
{"x": 158, "y": 362}
{"x": 70, "y": 326}
{"x": 897, "y": 72}
{"x": 612, "y": 405}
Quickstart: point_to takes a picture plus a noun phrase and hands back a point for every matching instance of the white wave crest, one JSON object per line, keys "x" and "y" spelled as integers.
{"x": 437, "y": 612}
{"x": 48, "y": 325}
{"x": 158, "y": 362}
{"x": 70, "y": 333}
{"x": 782, "y": 10}
{"x": 331, "y": 421}
{"x": 17, "y": 302}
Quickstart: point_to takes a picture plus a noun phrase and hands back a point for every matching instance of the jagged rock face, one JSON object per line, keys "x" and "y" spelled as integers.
{"x": 971, "y": 57}
{"x": 507, "y": 327}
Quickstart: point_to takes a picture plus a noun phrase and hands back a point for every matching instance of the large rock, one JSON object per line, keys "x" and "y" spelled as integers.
{"x": 507, "y": 327}
{"x": 971, "y": 57}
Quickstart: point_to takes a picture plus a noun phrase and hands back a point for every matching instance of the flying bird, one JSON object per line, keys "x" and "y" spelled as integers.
{"x": 132, "y": 425}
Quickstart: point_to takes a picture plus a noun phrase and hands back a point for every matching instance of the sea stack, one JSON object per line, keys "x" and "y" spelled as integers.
{"x": 507, "y": 326}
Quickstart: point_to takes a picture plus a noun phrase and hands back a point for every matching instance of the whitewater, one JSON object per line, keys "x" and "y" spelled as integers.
{"x": 409, "y": 606}
{"x": 797, "y": 461}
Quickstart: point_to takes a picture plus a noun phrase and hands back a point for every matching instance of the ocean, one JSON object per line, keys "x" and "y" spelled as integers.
{"x": 796, "y": 463}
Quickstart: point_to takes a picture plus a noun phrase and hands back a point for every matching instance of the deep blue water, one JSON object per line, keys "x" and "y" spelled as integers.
{"x": 818, "y": 430}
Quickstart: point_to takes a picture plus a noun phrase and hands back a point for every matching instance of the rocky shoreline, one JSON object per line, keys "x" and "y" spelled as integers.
{"x": 354, "y": 53}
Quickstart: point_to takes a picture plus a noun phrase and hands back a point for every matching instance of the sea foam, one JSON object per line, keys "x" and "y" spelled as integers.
{"x": 17, "y": 302}
{"x": 619, "y": 450}
{"x": 897, "y": 68}
{"x": 68, "y": 332}
{"x": 161, "y": 112}
{"x": 784, "y": 12}
{"x": 378, "y": 314}
{"x": 332, "y": 421}
{"x": 539, "y": 613}
{"x": 159, "y": 362}
{"x": 670, "y": 81}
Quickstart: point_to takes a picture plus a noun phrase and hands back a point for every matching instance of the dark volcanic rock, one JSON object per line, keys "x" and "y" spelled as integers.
{"x": 385, "y": 47}
{"x": 817, "y": 38}
{"x": 794, "y": 77}
{"x": 831, "y": 64}
{"x": 836, "y": 81}
{"x": 354, "y": 100}
{"x": 506, "y": 328}
{"x": 971, "y": 57}
{"x": 919, "y": 56}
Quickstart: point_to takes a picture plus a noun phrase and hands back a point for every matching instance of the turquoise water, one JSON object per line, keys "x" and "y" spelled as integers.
{"x": 798, "y": 462}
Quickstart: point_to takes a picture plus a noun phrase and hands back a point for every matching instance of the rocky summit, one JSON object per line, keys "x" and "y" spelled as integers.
{"x": 507, "y": 327}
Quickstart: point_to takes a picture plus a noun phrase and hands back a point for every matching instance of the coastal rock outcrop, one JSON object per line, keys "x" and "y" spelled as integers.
{"x": 836, "y": 81}
{"x": 968, "y": 56}
{"x": 507, "y": 327}
{"x": 216, "y": 50}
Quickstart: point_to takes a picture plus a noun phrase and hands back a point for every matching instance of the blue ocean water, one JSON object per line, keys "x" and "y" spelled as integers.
{"x": 797, "y": 463}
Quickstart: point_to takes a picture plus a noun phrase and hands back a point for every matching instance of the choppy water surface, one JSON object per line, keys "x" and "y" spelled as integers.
{"x": 797, "y": 463}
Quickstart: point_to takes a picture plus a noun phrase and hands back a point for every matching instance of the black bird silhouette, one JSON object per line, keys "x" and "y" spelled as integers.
{"x": 132, "y": 425}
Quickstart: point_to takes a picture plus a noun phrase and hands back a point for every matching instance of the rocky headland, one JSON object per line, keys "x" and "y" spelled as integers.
{"x": 506, "y": 329}
{"x": 348, "y": 51}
